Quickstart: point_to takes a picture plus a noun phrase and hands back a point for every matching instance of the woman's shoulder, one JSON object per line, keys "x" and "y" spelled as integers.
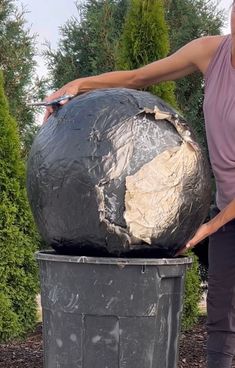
{"x": 212, "y": 43}
{"x": 206, "y": 48}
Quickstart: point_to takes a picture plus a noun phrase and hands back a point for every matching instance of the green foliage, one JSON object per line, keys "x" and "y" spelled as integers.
{"x": 9, "y": 323}
{"x": 144, "y": 40}
{"x": 17, "y": 51}
{"x": 188, "y": 20}
{"x": 192, "y": 295}
{"x": 18, "y": 239}
{"x": 87, "y": 42}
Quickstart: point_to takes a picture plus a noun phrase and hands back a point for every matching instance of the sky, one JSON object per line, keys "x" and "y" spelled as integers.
{"x": 46, "y": 16}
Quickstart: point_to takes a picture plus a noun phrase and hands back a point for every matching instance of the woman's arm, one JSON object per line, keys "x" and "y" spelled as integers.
{"x": 193, "y": 56}
{"x": 226, "y": 215}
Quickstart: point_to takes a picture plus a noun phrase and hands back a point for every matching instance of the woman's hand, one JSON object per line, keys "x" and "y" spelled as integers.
{"x": 226, "y": 215}
{"x": 70, "y": 89}
{"x": 203, "y": 232}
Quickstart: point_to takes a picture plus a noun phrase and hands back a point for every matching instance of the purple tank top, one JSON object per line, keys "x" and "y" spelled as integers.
{"x": 219, "y": 112}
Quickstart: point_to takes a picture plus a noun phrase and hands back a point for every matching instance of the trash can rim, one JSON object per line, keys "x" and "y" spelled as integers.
{"x": 55, "y": 257}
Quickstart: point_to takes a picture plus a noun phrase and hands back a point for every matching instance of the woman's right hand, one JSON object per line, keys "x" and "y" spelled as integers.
{"x": 71, "y": 88}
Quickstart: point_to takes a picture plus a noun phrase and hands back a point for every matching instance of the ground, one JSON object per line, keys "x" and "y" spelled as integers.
{"x": 28, "y": 354}
{"x": 192, "y": 352}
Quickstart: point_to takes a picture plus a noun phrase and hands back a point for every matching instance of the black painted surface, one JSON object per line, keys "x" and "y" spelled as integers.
{"x": 75, "y": 152}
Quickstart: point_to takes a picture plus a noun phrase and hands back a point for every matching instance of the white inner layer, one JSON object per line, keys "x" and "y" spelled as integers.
{"x": 154, "y": 194}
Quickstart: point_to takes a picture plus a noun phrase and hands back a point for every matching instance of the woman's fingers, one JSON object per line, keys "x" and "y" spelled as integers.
{"x": 69, "y": 90}
{"x": 202, "y": 233}
{"x": 181, "y": 251}
{"x": 49, "y": 111}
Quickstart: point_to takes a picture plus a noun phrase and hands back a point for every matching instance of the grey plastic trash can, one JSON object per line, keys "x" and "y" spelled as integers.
{"x": 111, "y": 312}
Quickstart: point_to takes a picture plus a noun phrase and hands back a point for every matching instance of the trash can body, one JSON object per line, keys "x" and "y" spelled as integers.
{"x": 111, "y": 312}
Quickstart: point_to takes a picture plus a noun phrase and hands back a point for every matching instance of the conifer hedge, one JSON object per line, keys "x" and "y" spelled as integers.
{"x": 18, "y": 237}
{"x": 192, "y": 296}
{"x": 145, "y": 39}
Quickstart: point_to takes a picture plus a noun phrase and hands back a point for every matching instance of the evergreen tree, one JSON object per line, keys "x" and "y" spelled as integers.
{"x": 145, "y": 39}
{"x": 188, "y": 20}
{"x": 87, "y": 42}
{"x": 17, "y": 51}
{"x": 192, "y": 296}
{"x": 18, "y": 239}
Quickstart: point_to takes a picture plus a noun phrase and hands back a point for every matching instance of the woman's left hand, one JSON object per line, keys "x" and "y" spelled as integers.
{"x": 203, "y": 232}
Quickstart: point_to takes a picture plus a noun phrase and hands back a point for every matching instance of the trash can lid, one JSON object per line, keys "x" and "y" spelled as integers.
{"x": 54, "y": 257}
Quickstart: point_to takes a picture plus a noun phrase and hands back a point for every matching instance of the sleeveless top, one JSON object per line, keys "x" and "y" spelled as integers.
{"x": 219, "y": 112}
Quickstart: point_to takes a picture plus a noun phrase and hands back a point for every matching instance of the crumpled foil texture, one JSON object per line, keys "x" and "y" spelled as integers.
{"x": 117, "y": 171}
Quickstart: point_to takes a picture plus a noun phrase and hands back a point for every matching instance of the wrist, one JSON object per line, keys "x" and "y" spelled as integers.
{"x": 214, "y": 225}
{"x": 72, "y": 88}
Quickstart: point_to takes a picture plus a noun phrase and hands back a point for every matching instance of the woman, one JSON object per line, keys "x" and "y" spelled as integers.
{"x": 214, "y": 57}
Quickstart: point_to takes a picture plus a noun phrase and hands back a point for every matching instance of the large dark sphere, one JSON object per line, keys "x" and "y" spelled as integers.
{"x": 104, "y": 176}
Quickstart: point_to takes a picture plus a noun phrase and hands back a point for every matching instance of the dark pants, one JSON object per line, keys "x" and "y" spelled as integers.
{"x": 221, "y": 297}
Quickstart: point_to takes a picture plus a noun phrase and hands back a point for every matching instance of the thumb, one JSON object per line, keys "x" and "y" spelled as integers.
{"x": 49, "y": 111}
{"x": 184, "y": 249}
{"x": 189, "y": 245}
{"x": 63, "y": 102}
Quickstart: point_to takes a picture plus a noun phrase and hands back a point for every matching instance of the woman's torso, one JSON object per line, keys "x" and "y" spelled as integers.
{"x": 219, "y": 112}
